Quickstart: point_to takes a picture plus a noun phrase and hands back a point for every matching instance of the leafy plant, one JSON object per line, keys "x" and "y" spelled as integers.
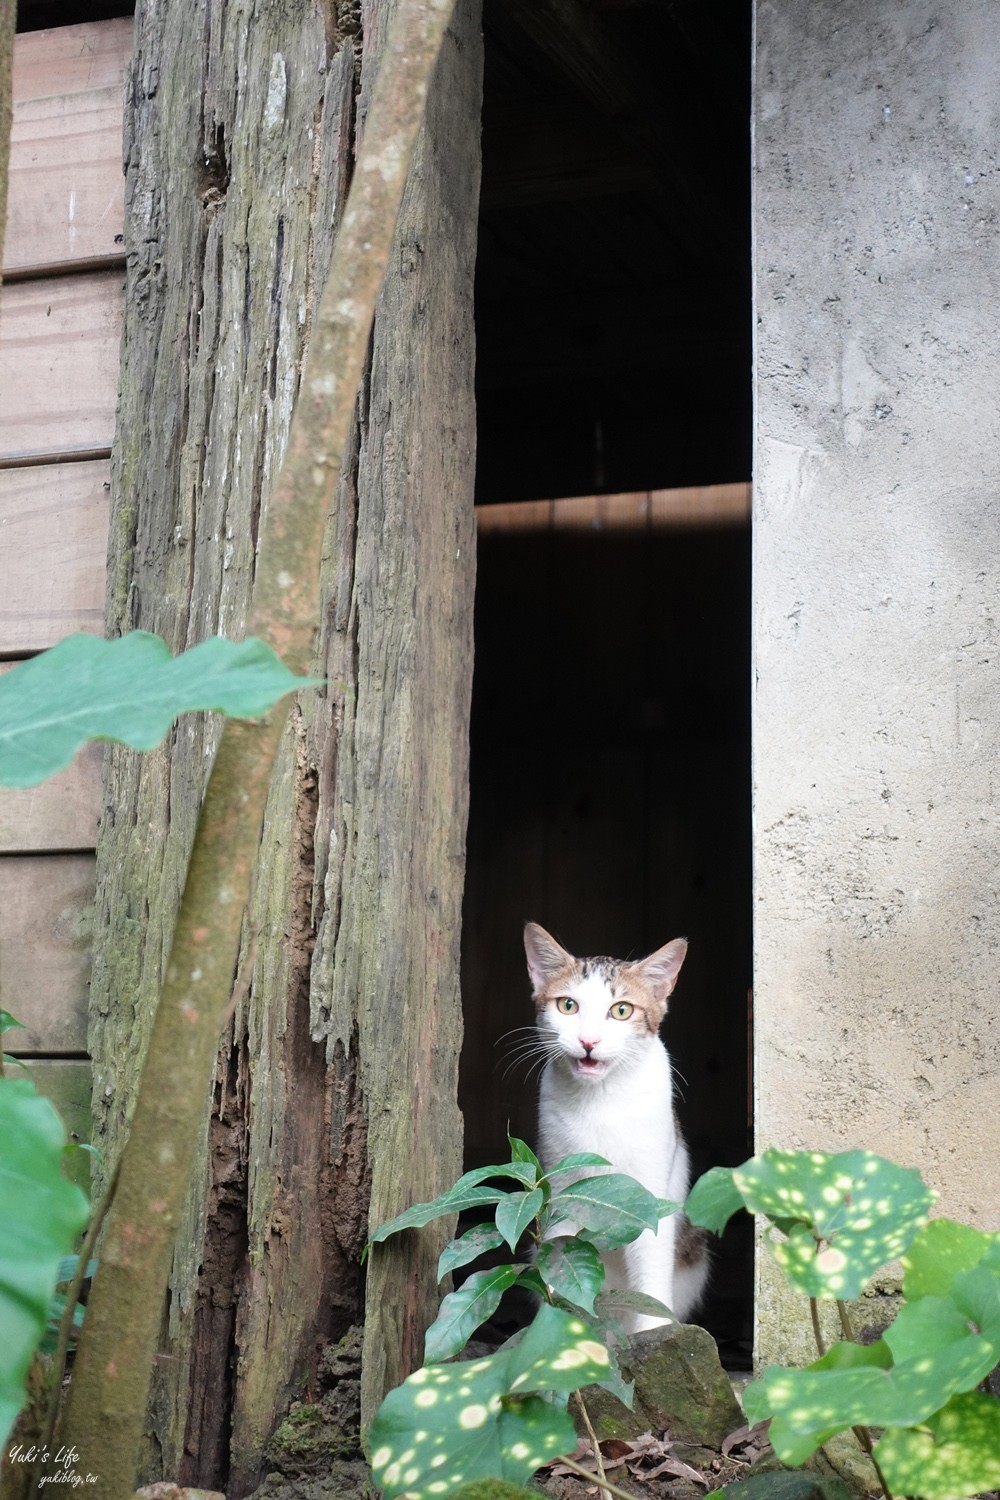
{"x": 837, "y": 1220}
{"x": 501, "y": 1417}
{"x": 42, "y": 1215}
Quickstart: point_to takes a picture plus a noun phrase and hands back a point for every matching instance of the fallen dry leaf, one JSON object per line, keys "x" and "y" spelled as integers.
{"x": 743, "y": 1436}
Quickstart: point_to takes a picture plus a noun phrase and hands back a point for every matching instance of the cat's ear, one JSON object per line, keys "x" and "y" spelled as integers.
{"x": 545, "y": 957}
{"x": 660, "y": 969}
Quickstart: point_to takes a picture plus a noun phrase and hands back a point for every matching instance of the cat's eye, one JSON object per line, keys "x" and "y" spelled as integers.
{"x": 566, "y": 1006}
{"x": 621, "y": 1011}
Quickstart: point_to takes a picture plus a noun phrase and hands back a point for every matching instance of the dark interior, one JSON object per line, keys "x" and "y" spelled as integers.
{"x": 610, "y": 732}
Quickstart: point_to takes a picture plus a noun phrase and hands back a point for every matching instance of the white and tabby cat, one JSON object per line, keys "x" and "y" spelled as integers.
{"x": 607, "y": 1087}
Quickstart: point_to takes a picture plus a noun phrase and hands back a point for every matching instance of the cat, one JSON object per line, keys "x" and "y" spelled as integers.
{"x": 607, "y": 1087}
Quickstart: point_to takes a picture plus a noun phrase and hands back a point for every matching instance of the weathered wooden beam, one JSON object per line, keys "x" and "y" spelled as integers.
{"x": 54, "y": 530}
{"x": 326, "y": 1062}
{"x": 645, "y": 510}
{"x": 59, "y": 366}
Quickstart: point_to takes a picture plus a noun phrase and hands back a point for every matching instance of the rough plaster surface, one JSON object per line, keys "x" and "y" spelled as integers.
{"x": 877, "y": 591}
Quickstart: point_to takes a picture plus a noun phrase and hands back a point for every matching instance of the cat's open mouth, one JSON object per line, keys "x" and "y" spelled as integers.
{"x": 589, "y": 1067}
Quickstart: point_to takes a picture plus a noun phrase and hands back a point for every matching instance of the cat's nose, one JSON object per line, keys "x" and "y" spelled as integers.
{"x": 589, "y": 1043}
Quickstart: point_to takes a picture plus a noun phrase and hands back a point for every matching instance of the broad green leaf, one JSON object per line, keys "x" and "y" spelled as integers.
{"x": 469, "y": 1246}
{"x": 516, "y": 1211}
{"x": 130, "y": 689}
{"x": 530, "y": 1278}
{"x": 844, "y": 1215}
{"x": 578, "y": 1159}
{"x": 463, "y": 1311}
{"x": 67, "y": 1268}
{"x": 42, "y": 1215}
{"x": 521, "y": 1151}
{"x": 610, "y": 1210}
{"x": 572, "y": 1269}
{"x": 614, "y": 1381}
{"x": 8, "y": 1023}
{"x": 451, "y": 1202}
{"x": 623, "y": 1300}
{"x": 939, "y": 1251}
{"x": 468, "y": 1192}
{"x": 485, "y": 1419}
{"x": 957, "y": 1452}
{"x": 714, "y": 1199}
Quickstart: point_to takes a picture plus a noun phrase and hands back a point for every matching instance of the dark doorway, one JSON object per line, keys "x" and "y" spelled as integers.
{"x": 610, "y": 729}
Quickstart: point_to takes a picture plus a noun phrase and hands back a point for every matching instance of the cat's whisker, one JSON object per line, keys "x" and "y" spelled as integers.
{"x": 515, "y": 1031}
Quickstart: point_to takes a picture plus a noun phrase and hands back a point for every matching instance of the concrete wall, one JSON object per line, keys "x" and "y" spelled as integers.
{"x": 877, "y": 592}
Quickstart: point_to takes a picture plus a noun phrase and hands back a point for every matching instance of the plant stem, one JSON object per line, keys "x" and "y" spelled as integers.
{"x": 845, "y": 1322}
{"x": 817, "y": 1330}
{"x": 588, "y": 1474}
{"x": 598, "y": 1456}
{"x": 862, "y": 1434}
{"x": 66, "y": 1321}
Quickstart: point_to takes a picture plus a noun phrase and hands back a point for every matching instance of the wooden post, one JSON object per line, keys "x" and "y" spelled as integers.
{"x": 237, "y": 156}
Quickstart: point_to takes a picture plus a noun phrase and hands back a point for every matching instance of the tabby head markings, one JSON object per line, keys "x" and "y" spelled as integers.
{"x": 595, "y": 1015}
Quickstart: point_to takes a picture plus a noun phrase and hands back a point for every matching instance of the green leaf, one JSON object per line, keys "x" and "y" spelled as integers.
{"x": 844, "y": 1215}
{"x": 940, "y": 1347}
{"x": 15, "y": 1062}
{"x": 42, "y": 1215}
{"x": 610, "y": 1210}
{"x": 66, "y": 1269}
{"x": 572, "y": 1269}
{"x": 8, "y": 1023}
{"x": 957, "y": 1452}
{"x": 614, "y": 1381}
{"x": 463, "y": 1311}
{"x": 578, "y": 1159}
{"x": 714, "y": 1199}
{"x": 521, "y": 1151}
{"x": 130, "y": 689}
{"x": 620, "y": 1298}
{"x": 469, "y": 1246}
{"x": 467, "y": 1192}
{"x": 485, "y": 1419}
{"x": 516, "y": 1211}
{"x": 939, "y": 1251}
{"x": 451, "y": 1202}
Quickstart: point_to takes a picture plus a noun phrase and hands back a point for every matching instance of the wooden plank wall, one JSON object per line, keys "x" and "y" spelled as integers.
{"x": 60, "y": 323}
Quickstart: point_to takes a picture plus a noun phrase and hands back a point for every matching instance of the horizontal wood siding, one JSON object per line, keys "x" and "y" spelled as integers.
{"x": 53, "y": 548}
{"x": 67, "y": 59}
{"x": 59, "y": 366}
{"x": 66, "y": 188}
{"x": 60, "y": 325}
{"x": 58, "y": 817}
{"x": 67, "y": 1082}
{"x": 46, "y": 906}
